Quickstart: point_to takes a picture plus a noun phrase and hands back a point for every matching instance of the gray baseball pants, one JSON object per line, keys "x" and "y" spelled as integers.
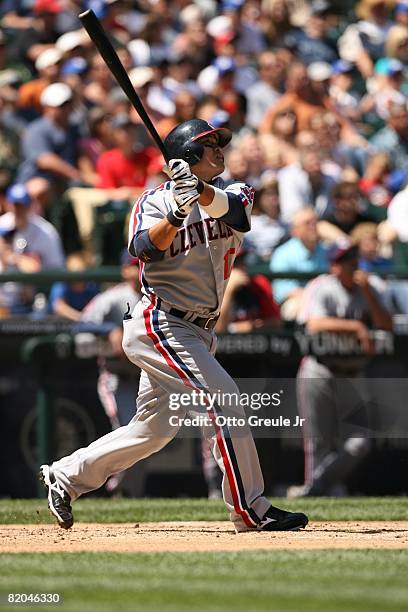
{"x": 176, "y": 357}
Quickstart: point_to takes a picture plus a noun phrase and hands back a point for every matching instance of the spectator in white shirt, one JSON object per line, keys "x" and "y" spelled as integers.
{"x": 33, "y": 235}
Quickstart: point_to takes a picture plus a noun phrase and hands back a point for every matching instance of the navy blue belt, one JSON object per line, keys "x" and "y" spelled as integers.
{"x": 207, "y": 323}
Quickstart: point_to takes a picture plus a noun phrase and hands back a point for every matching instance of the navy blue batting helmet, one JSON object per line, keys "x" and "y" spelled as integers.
{"x": 183, "y": 142}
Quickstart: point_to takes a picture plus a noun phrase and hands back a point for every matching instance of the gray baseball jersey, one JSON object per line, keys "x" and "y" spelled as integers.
{"x": 195, "y": 269}
{"x": 325, "y": 296}
{"x": 110, "y": 305}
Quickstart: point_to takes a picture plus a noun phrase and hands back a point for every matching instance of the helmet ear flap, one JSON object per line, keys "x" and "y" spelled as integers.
{"x": 193, "y": 152}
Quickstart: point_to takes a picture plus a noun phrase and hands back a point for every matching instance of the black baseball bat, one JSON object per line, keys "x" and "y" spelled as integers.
{"x": 100, "y": 39}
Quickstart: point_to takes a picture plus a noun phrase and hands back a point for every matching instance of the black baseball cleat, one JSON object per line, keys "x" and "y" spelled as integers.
{"x": 58, "y": 499}
{"x": 281, "y": 520}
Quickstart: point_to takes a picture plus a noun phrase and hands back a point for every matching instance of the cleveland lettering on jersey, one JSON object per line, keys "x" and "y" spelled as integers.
{"x": 194, "y": 233}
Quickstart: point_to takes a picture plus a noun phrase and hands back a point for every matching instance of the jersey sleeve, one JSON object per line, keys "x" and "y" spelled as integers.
{"x": 241, "y": 200}
{"x": 379, "y": 287}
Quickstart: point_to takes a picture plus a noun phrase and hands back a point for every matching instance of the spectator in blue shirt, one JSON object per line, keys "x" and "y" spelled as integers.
{"x": 311, "y": 43}
{"x": 302, "y": 253}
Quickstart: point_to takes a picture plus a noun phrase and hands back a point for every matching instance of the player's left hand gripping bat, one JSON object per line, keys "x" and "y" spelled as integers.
{"x": 98, "y": 35}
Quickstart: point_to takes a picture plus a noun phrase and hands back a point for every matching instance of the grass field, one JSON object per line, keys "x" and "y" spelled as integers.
{"x": 103, "y": 510}
{"x": 314, "y": 580}
{"x": 298, "y": 580}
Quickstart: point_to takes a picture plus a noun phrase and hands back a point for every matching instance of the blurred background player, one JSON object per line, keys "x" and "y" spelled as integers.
{"x": 342, "y": 302}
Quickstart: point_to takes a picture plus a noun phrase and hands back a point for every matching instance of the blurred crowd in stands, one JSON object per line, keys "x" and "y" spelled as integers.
{"x": 315, "y": 93}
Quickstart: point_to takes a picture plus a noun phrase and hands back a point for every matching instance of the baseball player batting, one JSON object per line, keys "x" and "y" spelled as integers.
{"x": 186, "y": 233}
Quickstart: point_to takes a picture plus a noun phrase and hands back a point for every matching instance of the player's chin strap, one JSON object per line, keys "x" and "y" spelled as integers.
{"x": 219, "y": 205}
